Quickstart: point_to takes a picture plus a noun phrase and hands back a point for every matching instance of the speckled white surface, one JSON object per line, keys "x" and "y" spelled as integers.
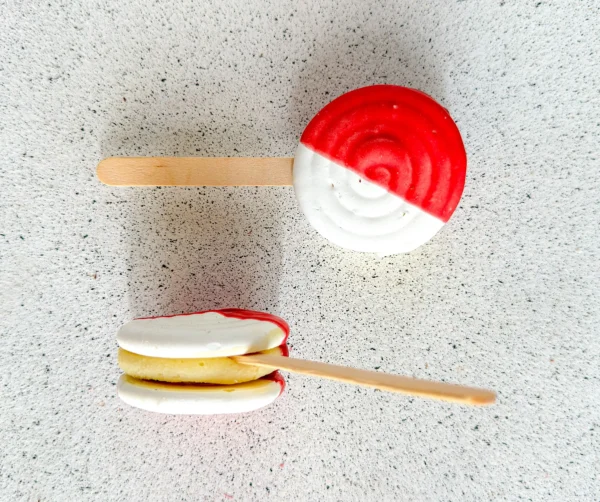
{"x": 505, "y": 296}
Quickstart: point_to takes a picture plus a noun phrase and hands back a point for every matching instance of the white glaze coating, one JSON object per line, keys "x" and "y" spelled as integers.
{"x": 355, "y": 213}
{"x": 208, "y": 334}
{"x": 177, "y": 399}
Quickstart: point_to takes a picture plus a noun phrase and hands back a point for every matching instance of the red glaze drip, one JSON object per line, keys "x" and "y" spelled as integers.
{"x": 276, "y": 377}
{"x": 398, "y": 138}
{"x": 239, "y": 314}
{"x": 285, "y": 351}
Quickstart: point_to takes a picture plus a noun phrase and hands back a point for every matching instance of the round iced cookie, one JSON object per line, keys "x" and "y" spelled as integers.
{"x": 380, "y": 169}
{"x": 211, "y": 333}
{"x": 190, "y": 399}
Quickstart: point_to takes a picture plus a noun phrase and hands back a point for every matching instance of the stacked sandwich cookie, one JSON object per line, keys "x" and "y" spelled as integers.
{"x": 180, "y": 364}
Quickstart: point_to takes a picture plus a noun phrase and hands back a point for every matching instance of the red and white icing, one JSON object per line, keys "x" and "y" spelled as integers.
{"x": 380, "y": 169}
{"x": 210, "y": 333}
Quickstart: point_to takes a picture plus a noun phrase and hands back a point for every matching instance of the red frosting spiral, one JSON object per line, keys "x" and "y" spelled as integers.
{"x": 398, "y": 138}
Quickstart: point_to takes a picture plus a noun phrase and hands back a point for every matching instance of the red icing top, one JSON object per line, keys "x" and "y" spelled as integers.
{"x": 398, "y": 138}
{"x": 241, "y": 314}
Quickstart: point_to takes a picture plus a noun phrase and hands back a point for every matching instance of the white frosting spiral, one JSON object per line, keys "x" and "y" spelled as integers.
{"x": 355, "y": 213}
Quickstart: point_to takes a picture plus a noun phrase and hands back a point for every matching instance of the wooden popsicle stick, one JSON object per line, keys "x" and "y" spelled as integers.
{"x": 383, "y": 381}
{"x": 196, "y": 171}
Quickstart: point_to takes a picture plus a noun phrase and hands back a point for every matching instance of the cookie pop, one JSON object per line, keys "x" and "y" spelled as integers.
{"x": 180, "y": 364}
{"x": 226, "y": 361}
{"x": 379, "y": 169}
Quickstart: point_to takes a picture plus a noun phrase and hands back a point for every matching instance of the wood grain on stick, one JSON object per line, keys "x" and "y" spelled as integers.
{"x": 196, "y": 171}
{"x": 383, "y": 381}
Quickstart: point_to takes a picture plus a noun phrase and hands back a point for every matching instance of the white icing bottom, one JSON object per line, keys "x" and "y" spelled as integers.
{"x": 355, "y": 213}
{"x": 198, "y": 335}
{"x": 197, "y": 399}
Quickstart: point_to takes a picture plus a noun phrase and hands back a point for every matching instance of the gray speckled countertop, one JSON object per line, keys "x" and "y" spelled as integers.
{"x": 506, "y": 296}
